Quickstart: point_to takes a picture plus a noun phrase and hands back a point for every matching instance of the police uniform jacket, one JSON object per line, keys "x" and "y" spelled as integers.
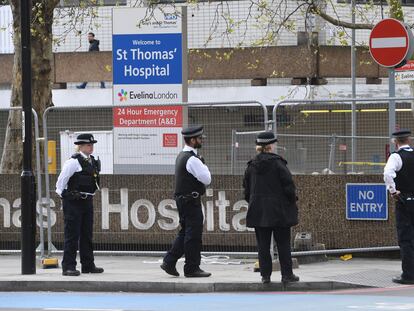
{"x": 191, "y": 174}
{"x": 399, "y": 171}
{"x": 270, "y": 192}
{"x": 79, "y": 173}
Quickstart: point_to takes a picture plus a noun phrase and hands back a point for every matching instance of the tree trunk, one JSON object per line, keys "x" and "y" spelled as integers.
{"x": 42, "y": 56}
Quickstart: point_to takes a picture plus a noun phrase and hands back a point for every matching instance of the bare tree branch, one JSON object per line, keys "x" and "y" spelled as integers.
{"x": 337, "y": 22}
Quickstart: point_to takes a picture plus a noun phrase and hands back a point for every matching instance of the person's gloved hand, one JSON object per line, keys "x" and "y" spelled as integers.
{"x": 397, "y": 196}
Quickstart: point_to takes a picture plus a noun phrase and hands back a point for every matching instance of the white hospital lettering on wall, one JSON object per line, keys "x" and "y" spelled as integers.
{"x": 166, "y": 211}
{"x": 12, "y": 213}
{"x": 219, "y": 213}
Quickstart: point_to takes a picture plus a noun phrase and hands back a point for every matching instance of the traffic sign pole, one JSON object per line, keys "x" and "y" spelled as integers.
{"x": 391, "y": 44}
{"x": 391, "y": 105}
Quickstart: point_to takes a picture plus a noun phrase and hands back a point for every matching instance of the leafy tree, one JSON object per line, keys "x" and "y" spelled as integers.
{"x": 43, "y": 15}
{"x": 273, "y": 17}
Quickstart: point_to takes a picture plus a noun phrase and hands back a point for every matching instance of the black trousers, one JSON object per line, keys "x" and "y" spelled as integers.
{"x": 189, "y": 239}
{"x": 78, "y": 220}
{"x": 282, "y": 239}
{"x": 404, "y": 214}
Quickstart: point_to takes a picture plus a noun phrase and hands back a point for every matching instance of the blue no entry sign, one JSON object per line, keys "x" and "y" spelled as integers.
{"x": 366, "y": 202}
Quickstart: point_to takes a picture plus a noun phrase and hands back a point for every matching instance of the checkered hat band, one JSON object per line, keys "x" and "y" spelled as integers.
{"x": 265, "y": 140}
{"x": 195, "y": 134}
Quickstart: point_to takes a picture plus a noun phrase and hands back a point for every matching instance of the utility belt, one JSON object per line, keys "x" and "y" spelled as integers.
{"x": 77, "y": 195}
{"x": 406, "y": 199}
{"x": 188, "y": 197}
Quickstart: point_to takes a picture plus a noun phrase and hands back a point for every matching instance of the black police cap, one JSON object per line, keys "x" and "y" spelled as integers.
{"x": 85, "y": 139}
{"x": 265, "y": 138}
{"x": 193, "y": 131}
{"x": 401, "y": 133}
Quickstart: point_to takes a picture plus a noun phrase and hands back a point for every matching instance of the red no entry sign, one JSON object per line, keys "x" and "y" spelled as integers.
{"x": 389, "y": 42}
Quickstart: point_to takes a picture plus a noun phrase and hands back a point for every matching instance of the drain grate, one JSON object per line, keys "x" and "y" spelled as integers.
{"x": 372, "y": 277}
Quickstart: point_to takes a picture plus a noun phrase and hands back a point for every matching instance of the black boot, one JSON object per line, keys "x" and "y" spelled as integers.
{"x": 171, "y": 270}
{"x": 71, "y": 272}
{"x": 290, "y": 278}
{"x": 265, "y": 279}
{"x": 93, "y": 269}
{"x": 401, "y": 280}
{"x": 197, "y": 274}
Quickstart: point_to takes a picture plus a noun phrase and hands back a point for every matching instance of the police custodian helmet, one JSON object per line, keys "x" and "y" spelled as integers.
{"x": 85, "y": 139}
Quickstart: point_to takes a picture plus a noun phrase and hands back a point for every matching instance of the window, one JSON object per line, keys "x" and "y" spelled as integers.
{"x": 70, "y": 3}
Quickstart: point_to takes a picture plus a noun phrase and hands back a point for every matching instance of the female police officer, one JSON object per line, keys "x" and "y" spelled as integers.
{"x": 270, "y": 192}
{"x": 76, "y": 185}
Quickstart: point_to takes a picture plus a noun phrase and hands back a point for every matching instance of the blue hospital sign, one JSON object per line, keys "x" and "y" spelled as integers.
{"x": 147, "y": 58}
{"x": 149, "y": 54}
{"x": 366, "y": 202}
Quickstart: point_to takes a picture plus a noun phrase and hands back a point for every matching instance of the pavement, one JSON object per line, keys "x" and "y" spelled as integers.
{"x": 142, "y": 274}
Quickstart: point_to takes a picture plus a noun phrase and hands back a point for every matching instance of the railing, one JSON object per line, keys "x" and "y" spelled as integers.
{"x": 318, "y": 134}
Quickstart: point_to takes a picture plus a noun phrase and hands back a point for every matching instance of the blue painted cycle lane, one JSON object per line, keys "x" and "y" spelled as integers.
{"x": 201, "y": 302}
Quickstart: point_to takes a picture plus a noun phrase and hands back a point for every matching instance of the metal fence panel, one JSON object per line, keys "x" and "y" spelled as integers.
{"x": 219, "y": 120}
{"x": 137, "y": 213}
{"x": 316, "y": 135}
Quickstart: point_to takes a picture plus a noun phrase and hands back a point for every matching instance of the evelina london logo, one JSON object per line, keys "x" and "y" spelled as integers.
{"x": 122, "y": 95}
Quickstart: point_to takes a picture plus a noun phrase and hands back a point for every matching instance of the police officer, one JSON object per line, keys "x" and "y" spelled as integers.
{"x": 191, "y": 178}
{"x": 271, "y": 193}
{"x": 398, "y": 177}
{"x": 76, "y": 185}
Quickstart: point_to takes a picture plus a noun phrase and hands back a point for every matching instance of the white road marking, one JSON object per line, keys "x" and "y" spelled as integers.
{"x": 385, "y": 306}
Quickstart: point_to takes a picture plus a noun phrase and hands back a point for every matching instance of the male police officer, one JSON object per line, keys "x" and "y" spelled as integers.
{"x": 76, "y": 185}
{"x": 398, "y": 177}
{"x": 191, "y": 178}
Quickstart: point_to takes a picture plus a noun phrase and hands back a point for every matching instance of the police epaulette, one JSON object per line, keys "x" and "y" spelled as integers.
{"x": 82, "y": 161}
{"x": 76, "y": 156}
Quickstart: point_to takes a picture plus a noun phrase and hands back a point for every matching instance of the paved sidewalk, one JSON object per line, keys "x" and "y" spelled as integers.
{"x": 142, "y": 274}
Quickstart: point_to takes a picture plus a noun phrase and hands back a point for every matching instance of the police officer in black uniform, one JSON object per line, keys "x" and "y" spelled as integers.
{"x": 271, "y": 193}
{"x": 191, "y": 178}
{"x": 76, "y": 185}
{"x": 398, "y": 177}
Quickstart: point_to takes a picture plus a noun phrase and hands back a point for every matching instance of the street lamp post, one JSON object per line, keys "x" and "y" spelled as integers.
{"x": 28, "y": 233}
